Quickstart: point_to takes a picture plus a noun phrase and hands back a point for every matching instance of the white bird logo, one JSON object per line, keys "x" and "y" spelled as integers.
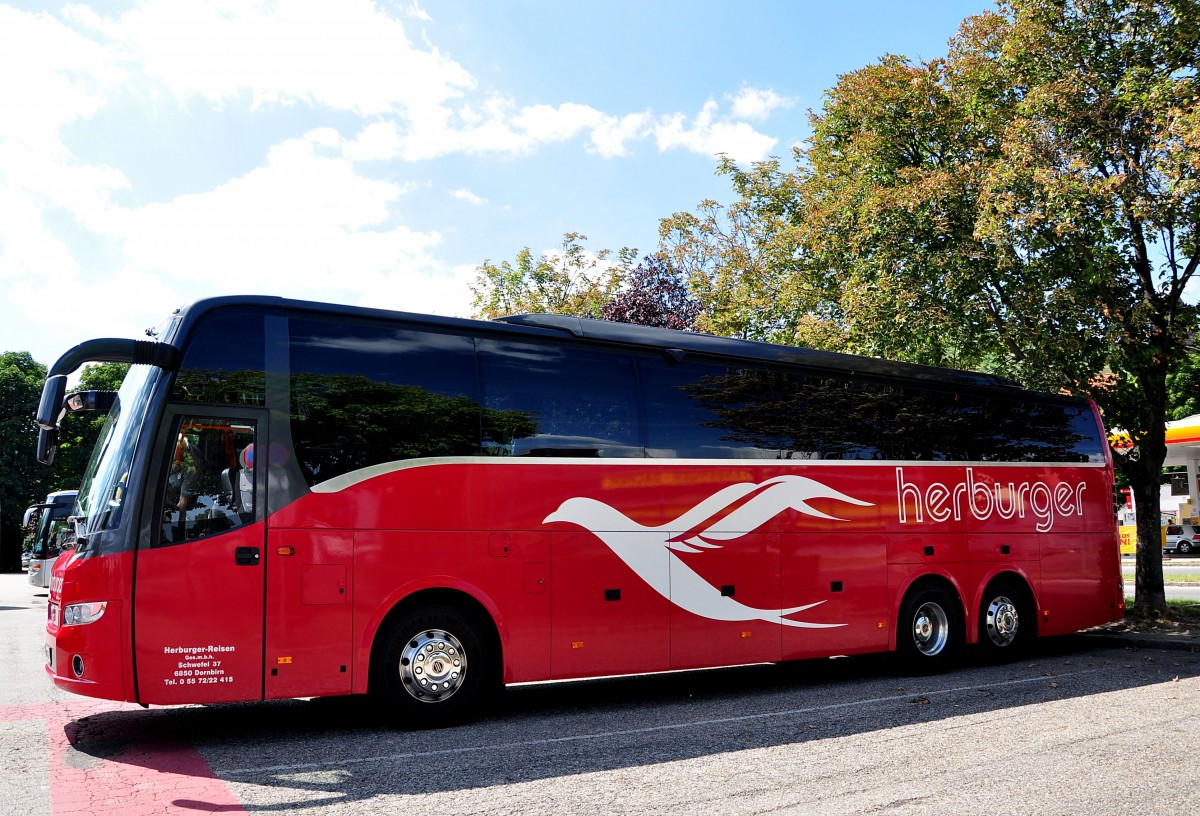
{"x": 738, "y": 509}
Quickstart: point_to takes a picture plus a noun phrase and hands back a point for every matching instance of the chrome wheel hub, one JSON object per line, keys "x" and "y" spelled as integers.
{"x": 1002, "y": 621}
{"x": 433, "y": 665}
{"x": 931, "y": 629}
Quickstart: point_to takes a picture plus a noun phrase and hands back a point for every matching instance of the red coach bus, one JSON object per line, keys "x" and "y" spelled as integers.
{"x": 293, "y": 499}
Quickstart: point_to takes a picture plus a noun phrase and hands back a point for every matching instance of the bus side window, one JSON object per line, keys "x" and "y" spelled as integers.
{"x": 210, "y": 483}
{"x": 709, "y": 410}
{"x": 549, "y": 399}
{"x": 366, "y": 393}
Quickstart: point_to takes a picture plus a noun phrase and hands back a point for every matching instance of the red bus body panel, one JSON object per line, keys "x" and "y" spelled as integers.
{"x": 601, "y": 567}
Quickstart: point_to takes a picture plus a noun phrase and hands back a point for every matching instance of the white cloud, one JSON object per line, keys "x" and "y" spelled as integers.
{"x": 444, "y": 291}
{"x": 463, "y": 194}
{"x": 378, "y": 141}
{"x": 353, "y": 57}
{"x": 414, "y": 10}
{"x": 709, "y": 136}
{"x": 611, "y": 135}
{"x": 544, "y": 123}
{"x": 349, "y": 55}
{"x": 53, "y": 76}
{"x": 757, "y": 104}
{"x": 318, "y": 214}
{"x": 28, "y": 250}
{"x": 303, "y": 222}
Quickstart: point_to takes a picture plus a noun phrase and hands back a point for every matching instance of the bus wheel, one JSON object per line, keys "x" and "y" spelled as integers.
{"x": 434, "y": 667}
{"x": 930, "y": 629}
{"x": 1006, "y": 619}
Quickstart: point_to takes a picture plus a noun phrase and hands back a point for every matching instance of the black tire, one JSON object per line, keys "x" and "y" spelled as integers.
{"x": 1183, "y": 547}
{"x": 1007, "y": 619}
{"x": 435, "y": 667}
{"x": 930, "y": 629}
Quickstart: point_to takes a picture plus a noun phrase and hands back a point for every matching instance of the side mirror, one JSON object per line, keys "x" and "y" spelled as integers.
{"x": 50, "y": 408}
{"x": 47, "y": 446}
{"x": 56, "y": 404}
{"x": 33, "y": 514}
{"x": 87, "y": 401}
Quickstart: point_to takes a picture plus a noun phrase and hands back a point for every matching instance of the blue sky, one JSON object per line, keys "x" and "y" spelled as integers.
{"x": 152, "y": 153}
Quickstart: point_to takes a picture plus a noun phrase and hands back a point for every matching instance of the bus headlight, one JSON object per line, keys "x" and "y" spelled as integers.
{"x": 79, "y": 614}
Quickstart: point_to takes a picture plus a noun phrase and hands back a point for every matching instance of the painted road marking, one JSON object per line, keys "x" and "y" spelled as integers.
{"x": 112, "y": 774}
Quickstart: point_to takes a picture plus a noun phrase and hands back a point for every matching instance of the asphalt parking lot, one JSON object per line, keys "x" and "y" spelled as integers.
{"x": 1085, "y": 725}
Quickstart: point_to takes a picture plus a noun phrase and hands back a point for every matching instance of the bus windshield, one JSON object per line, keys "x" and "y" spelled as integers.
{"x": 50, "y": 529}
{"x": 102, "y": 491}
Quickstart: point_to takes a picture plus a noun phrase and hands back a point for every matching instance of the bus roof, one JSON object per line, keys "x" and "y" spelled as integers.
{"x": 669, "y": 341}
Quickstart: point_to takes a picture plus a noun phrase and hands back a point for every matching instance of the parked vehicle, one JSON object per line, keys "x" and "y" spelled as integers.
{"x": 441, "y": 506}
{"x": 52, "y": 531}
{"x": 1183, "y": 539}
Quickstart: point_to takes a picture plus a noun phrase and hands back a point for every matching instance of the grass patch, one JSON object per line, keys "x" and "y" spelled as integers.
{"x": 1179, "y": 616}
{"x": 1182, "y": 578}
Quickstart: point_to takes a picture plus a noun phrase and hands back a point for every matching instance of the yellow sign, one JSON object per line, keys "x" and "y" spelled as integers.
{"x": 1129, "y": 539}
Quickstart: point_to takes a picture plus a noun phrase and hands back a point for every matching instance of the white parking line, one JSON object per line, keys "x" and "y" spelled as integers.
{"x": 908, "y": 695}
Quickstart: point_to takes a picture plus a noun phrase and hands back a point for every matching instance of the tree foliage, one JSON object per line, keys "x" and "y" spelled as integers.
{"x": 24, "y": 480}
{"x": 1183, "y": 388}
{"x": 575, "y": 281}
{"x": 654, "y": 293}
{"x": 1028, "y": 204}
{"x": 570, "y": 280}
{"x": 743, "y": 261}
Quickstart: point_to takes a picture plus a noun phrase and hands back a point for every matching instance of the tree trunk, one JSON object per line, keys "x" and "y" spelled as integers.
{"x": 1150, "y": 598}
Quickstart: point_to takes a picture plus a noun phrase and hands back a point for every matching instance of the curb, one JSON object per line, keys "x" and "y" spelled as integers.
{"x": 1176, "y": 643}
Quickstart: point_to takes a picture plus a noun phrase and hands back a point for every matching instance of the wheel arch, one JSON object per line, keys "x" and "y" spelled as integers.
{"x": 455, "y": 597}
{"x": 1006, "y": 575}
{"x": 934, "y": 579}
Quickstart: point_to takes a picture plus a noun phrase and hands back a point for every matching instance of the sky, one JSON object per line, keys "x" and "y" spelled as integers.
{"x": 375, "y": 153}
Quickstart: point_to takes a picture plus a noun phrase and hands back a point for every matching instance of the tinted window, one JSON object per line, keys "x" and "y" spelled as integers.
{"x": 709, "y": 410}
{"x": 553, "y": 400}
{"x": 364, "y": 393}
{"x": 712, "y": 411}
{"x": 223, "y": 362}
{"x": 1045, "y": 432}
{"x": 934, "y": 425}
{"x": 931, "y": 425}
{"x": 835, "y": 419}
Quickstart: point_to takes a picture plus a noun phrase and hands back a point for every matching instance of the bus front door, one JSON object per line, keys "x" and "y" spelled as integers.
{"x": 199, "y": 587}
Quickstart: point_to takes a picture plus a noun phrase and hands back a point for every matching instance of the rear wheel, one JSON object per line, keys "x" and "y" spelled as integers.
{"x": 1007, "y": 620}
{"x": 930, "y": 629}
{"x": 1184, "y": 546}
{"x": 435, "y": 667}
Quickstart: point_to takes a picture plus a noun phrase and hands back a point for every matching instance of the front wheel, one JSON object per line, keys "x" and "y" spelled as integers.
{"x": 435, "y": 667}
{"x": 930, "y": 629}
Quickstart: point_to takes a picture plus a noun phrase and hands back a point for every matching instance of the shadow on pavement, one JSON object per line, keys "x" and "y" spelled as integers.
{"x": 340, "y": 748}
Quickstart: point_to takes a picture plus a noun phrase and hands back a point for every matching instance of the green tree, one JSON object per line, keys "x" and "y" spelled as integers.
{"x": 743, "y": 261}
{"x": 78, "y": 432}
{"x": 571, "y": 281}
{"x": 22, "y": 480}
{"x": 1183, "y": 388}
{"x": 1027, "y": 204}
